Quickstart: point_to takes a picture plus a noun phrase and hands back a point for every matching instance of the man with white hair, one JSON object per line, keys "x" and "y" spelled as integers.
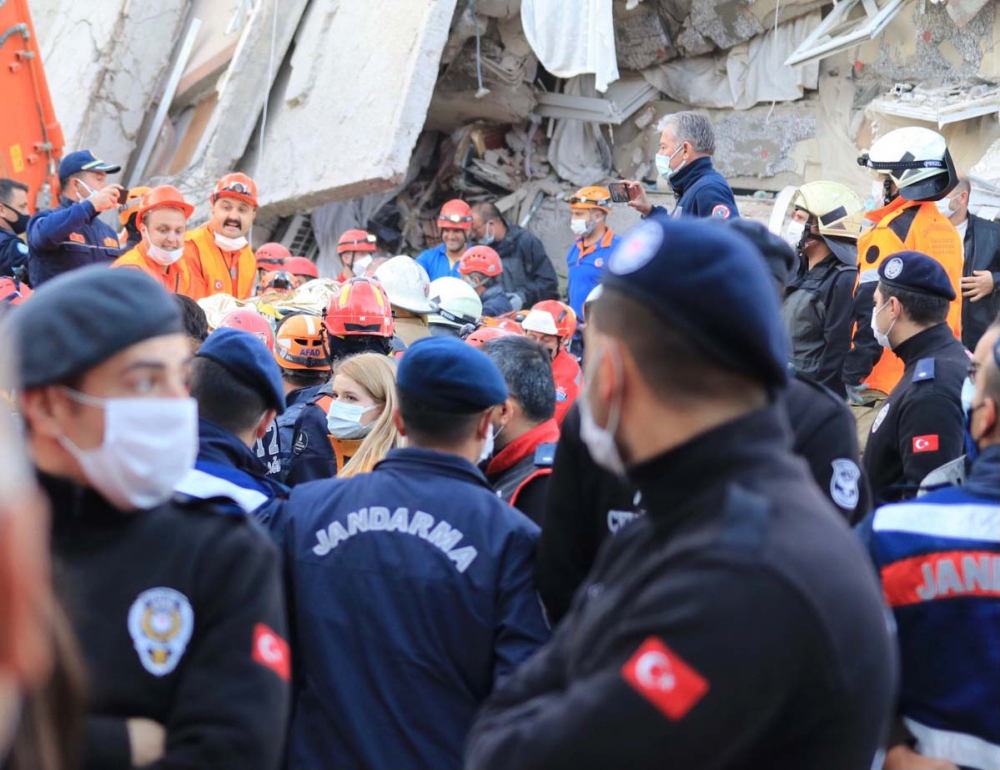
{"x": 684, "y": 159}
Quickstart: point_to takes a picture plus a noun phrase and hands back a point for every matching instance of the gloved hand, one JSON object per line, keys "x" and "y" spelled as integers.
{"x": 856, "y": 394}
{"x": 515, "y": 300}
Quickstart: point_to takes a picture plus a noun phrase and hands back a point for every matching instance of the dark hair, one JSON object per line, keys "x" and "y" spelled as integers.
{"x": 428, "y": 426}
{"x": 342, "y": 347}
{"x": 195, "y": 320}
{"x": 922, "y": 309}
{"x": 223, "y": 399}
{"x": 487, "y": 211}
{"x": 7, "y": 187}
{"x": 305, "y": 378}
{"x": 670, "y": 362}
{"x": 527, "y": 369}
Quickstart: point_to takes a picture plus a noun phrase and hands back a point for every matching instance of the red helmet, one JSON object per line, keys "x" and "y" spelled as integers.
{"x": 14, "y": 292}
{"x": 271, "y": 255}
{"x": 301, "y": 345}
{"x": 480, "y": 259}
{"x": 235, "y": 185}
{"x": 563, "y": 315}
{"x": 356, "y": 240}
{"x": 360, "y": 308}
{"x": 485, "y": 334}
{"x": 508, "y": 324}
{"x": 455, "y": 215}
{"x": 301, "y": 266}
{"x": 250, "y": 321}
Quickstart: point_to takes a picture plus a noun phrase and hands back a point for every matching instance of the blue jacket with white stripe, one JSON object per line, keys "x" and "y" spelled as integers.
{"x": 66, "y": 238}
{"x": 939, "y": 559}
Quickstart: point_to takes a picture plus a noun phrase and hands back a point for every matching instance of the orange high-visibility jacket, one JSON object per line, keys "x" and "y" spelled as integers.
{"x": 222, "y": 272}
{"x": 909, "y": 226}
{"x": 178, "y": 278}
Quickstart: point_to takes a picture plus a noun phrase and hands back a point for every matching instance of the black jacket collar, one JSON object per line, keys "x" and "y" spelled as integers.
{"x": 925, "y": 344}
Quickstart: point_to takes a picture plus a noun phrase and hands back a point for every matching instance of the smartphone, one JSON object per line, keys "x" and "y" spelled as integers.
{"x": 619, "y": 192}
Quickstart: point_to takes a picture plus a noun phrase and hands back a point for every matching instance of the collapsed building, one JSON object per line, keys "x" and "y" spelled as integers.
{"x": 351, "y": 114}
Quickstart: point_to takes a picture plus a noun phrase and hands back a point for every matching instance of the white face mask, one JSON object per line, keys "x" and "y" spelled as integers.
{"x": 229, "y": 244}
{"x": 487, "y": 452}
{"x": 360, "y": 266}
{"x": 149, "y": 444}
{"x": 880, "y": 338}
{"x": 600, "y": 442}
{"x": 877, "y": 197}
{"x": 663, "y": 163}
{"x": 344, "y": 420}
{"x": 162, "y": 256}
{"x": 795, "y": 232}
{"x": 88, "y": 189}
{"x": 579, "y": 226}
{"x": 944, "y": 206}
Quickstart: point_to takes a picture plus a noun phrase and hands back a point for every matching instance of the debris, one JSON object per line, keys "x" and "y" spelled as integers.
{"x": 943, "y": 105}
{"x": 622, "y": 99}
{"x": 641, "y": 37}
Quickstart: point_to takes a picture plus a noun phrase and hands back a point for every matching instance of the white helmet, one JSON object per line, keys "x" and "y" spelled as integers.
{"x": 458, "y": 304}
{"x": 917, "y": 160}
{"x": 407, "y": 284}
{"x": 541, "y": 322}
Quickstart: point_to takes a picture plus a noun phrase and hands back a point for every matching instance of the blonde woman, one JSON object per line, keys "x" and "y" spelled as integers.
{"x": 363, "y": 393}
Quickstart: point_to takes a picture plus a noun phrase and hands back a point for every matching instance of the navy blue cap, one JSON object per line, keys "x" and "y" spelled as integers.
{"x": 778, "y": 255}
{"x": 246, "y": 357}
{"x": 712, "y": 285}
{"x": 84, "y": 160}
{"x": 914, "y": 271}
{"x": 82, "y": 318}
{"x": 446, "y": 374}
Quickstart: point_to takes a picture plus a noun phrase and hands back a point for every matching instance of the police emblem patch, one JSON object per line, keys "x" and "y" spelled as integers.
{"x": 218, "y": 285}
{"x": 638, "y": 248}
{"x": 598, "y": 262}
{"x": 720, "y": 212}
{"x": 894, "y": 268}
{"x": 880, "y": 417}
{"x": 160, "y": 623}
{"x": 844, "y": 483}
{"x": 300, "y": 444}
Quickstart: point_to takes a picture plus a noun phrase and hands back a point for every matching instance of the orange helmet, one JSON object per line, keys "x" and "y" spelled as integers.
{"x": 356, "y": 240}
{"x": 271, "y": 255}
{"x": 250, "y": 321}
{"x": 164, "y": 196}
{"x": 360, "y": 308}
{"x": 563, "y": 315}
{"x": 591, "y": 198}
{"x": 485, "y": 334}
{"x": 131, "y": 204}
{"x": 480, "y": 259}
{"x": 455, "y": 215}
{"x": 238, "y": 186}
{"x": 301, "y": 266}
{"x": 14, "y": 292}
{"x": 300, "y": 344}
{"x": 507, "y": 324}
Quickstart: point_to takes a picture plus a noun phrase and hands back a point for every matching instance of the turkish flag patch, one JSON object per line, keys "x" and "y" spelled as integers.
{"x": 271, "y": 651}
{"x": 925, "y": 443}
{"x": 660, "y": 676}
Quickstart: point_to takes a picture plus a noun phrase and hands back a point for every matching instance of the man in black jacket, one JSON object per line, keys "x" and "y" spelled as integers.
{"x": 528, "y": 273}
{"x": 178, "y": 609}
{"x": 737, "y": 624}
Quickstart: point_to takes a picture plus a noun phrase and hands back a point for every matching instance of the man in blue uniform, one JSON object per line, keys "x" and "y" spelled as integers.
{"x": 14, "y": 218}
{"x": 687, "y": 143}
{"x": 939, "y": 558}
{"x": 412, "y": 584}
{"x": 72, "y": 236}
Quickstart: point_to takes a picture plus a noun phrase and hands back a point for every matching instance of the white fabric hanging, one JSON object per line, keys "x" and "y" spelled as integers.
{"x": 573, "y": 38}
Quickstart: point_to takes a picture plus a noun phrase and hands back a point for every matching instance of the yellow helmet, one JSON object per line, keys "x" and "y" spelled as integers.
{"x": 592, "y": 197}
{"x": 839, "y": 214}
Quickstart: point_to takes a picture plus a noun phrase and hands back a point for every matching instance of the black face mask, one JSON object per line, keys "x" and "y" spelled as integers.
{"x": 20, "y": 223}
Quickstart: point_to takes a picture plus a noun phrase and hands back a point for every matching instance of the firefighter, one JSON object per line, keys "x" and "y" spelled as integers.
{"x": 356, "y": 249}
{"x": 459, "y": 308}
{"x": 482, "y": 268}
{"x": 408, "y": 287}
{"x": 553, "y": 324}
{"x": 455, "y": 224}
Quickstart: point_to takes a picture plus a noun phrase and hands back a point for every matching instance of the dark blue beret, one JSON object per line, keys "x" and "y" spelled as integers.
{"x": 84, "y": 160}
{"x": 710, "y": 284}
{"x": 247, "y": 358}
{"x": 913, "y": 271}
{"x": 82, "y": 318}
{"x": 779, "y": 257}
{"x": 446, "y": 374}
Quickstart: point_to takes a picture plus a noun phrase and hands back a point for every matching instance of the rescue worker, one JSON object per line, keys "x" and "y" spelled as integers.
{"x": 818, "y": 307}
{"x": 13, "y": 291}
{"x": 162, "y": 219}
{"x": 249, "y": 320}
{"x": 934, "y": 556}
{"x": 270, "y": 257}
{"x": 528, "y": 274}
{"x": 356, "y": 249}
{"x": 525, "y": 431}
{"x": 482, "y": 269}
{"x": 915, "y": 169}
{"x": 684, "y": 160}
{"x": 594, "y": 242}
{"x": 738, "y": 621}
{"x": 409, "y": 288}
{"x": 458, "y": 307}
{"x": 178, "y": 610}
{"x": 436, "y": 564}
{"x": 454, "y": 222}
{"x": 277, "y": 285}
{"x": 919, "y": 427}
{"x": 72, "y": 236}
{"x": 302, "y": 354}
{"x": 553, "y": 324}
{"x": 359, "y": 319}
{"x": 218, "y": 251}
{"x": 14, "y": 216}
{"x": 239, "y": 392}
{"x": 129, "y": 236}
{"x": 303, "y": 269}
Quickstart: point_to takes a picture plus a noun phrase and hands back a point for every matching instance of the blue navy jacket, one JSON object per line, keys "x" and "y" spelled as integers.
{"x": 295, "y": 403}
{"x": 68, "y": 237}
{"x": 13, "y": 252}
{"x": 412, "y": 593}
{"x": 228, "y": 468}
{"x": 939, "y": 559}
{"x": 701, "y": 192}
{"x": 495, "y": 302}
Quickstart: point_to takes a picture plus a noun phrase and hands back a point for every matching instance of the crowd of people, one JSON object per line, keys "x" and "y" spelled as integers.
{"x": 728, "y": 499}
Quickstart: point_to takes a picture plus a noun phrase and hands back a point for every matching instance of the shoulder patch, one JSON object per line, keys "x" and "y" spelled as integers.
{"x": 844, "y": 483}
{"x": 160, "y": 622}
{"x": 720, "y": 211}
{"x": 664, "y": 679}
{"x": 301, "y": 442}
{"x": 924, "y": 370}
{"x": 22, "y": 247}
{"x": 880, "y": 417}
{"x": 77, "y": 238}
{"x": 271, "y": 651}
{"x": 545, "y": 455}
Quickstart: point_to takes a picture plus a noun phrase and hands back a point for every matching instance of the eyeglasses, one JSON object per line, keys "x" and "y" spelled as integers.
{"x": 454, "y": 218}
{"x": 237, "y": 187}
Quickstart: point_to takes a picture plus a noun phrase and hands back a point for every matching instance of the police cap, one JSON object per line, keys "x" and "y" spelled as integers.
{"x": 246, "y": 357}
{"x": 778, "y": 255}
{"x": 84, "y": 160}
{"x": 710, "y": 284}
{"x": 447, "y": 375}
{"x": 916, "y": 272}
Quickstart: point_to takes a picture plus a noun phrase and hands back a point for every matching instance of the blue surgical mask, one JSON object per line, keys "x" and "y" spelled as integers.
{"x": 489, "y": 236}
{"x": 663, "y": 163}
